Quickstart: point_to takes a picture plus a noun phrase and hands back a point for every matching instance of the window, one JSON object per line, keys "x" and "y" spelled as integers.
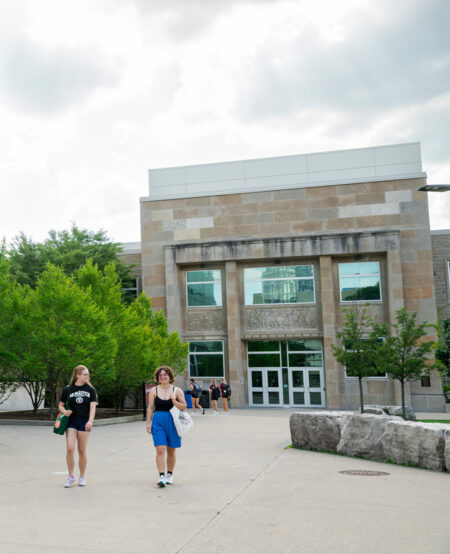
{"x": 204, "y": 288}
{"x": 130, "y": 290}
{"x": 290, "y": 284}
{"x": 206, "y": 359}
{"x": 359, "y": 281}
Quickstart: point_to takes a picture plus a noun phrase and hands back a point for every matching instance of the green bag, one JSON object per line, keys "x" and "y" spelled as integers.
{"x": 62, "y": 420}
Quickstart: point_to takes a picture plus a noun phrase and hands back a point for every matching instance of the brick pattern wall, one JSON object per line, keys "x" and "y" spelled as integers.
{"x": 441, "y": 258}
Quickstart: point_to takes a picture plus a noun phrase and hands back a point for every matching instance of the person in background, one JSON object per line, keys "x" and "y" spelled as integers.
{"x": 81, "y": 414}
{"x": 225, "y": 392}
{"x": 160, "y": 422}
{"x": 196, "y": 393}
{"x": 215, "y": 395}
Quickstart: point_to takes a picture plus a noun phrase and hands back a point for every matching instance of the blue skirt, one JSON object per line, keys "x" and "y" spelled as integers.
{"x": 163, "y": 430}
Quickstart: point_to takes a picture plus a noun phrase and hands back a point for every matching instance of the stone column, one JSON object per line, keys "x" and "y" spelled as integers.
{"x": 236, "y": 376}
{"x": 332, "y": 379}
{"x": 394, "y": 277}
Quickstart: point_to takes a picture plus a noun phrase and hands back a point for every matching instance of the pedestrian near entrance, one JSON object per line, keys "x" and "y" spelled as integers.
{"x": 81, "y": 413}
{"x": 225, "y": 392}
{"x": 196, "y": 393}
{"x": 215, "y": 395}
{"x": 160, "y": 422}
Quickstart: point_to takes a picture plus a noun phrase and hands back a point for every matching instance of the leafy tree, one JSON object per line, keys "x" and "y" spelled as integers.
{"x": 443, "y": 350}
{"x": 7, "y": 382}
{"x": 143, "y": 341}
{"x": 360, "y": 349}
{"x": 52, "y": 329}
{"x": 67, "y": 249}
{"x": 406, "y": 351}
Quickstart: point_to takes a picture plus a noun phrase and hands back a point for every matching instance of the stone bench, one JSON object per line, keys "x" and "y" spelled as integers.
{"x": 375, "y": 437}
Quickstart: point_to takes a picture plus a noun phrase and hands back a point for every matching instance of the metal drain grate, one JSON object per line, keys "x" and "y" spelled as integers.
{"x": 363, "y": 472}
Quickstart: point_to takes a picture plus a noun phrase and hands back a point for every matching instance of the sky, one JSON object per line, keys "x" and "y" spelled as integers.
{"x": 94, "y": 93}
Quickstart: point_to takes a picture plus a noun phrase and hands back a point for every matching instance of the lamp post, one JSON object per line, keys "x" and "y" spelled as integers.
{"x": 435, "y": 188}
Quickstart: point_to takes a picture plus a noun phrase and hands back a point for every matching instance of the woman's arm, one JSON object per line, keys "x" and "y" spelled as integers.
{"x": 178, "y": 399}
{"x": 150, "y": 409}
{"x": 92, "y": 408}
{"x": 62, "y": 409}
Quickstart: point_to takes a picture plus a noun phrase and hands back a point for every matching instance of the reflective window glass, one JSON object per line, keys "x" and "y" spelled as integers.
{"x": 272, "y": 378}
{"x": 297, "y": 378}
{"x": 305, "y": 360}
{"x": 263, "y": 346}
{"x": 302, "y": 345}
{"x": 274, "y": 397}
{"x": 359, "y": 281}
{"x": 257, "y": 397}
{"x": 315, "y": 398}
{"x": 314, "y": 379}
{"x": 206, "y": 359}
{"x": 279, "y": 285}
{"x": 299, "y": 398}
{"x": 204, "y": 288}
{"x": 264, "y": 360}
{"x": 257, "y": 380}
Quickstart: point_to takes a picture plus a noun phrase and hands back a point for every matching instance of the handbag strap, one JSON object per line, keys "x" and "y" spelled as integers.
{"x": 67, "y": 400}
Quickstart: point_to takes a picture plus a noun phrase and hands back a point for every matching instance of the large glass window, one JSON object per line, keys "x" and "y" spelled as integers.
{"x": 204, "y": 288}
{"x": 305, "y": 353}
{"x": 206, "y": 359}
{"x": 263, "y": 353}
{"x": 359, "y": 281}
{"x": 279, "y": 285}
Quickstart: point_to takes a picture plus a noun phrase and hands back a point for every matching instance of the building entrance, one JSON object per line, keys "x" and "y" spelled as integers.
{"x": 286, "y": 373}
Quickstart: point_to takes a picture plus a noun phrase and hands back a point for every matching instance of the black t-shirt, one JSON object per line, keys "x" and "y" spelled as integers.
{"x": 80, "y": 399}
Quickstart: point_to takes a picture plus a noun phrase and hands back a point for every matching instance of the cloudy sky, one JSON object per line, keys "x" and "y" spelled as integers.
{"x": 93, "y": 93}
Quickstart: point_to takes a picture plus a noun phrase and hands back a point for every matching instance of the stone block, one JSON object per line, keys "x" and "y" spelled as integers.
{"x": 418, "y": 444}
{"x": 317, "y": 430}
{"x": 397, "y": 411}
{"x": 362, "y": 436}
{"x": 447, "y": 449}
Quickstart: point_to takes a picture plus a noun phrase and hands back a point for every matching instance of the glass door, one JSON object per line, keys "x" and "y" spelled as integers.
{"x": 265, "y": 387}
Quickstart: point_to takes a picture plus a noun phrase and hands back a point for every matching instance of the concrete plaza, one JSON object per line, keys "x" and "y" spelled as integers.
{"x": 238, "y": 488}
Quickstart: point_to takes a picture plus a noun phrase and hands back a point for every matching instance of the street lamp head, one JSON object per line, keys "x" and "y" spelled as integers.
{"x": 435, "y": 188}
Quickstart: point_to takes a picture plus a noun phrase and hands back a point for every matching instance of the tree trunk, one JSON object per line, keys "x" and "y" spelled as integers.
{"x": 361, "y": 398}
{"x": 403, "y": 399}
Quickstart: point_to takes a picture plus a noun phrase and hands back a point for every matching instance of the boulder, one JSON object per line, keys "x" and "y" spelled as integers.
{"x": 317, "y": 430}
{"x": 447, "y": 449}
{"x": 374, "y": 409}
{"x": 397, "y": 411}
{"x": 362, "y": 436}
{"x": 418, "y": 444}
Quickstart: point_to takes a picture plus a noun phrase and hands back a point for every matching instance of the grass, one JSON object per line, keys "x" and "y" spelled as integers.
{"x": 447, "y": 421}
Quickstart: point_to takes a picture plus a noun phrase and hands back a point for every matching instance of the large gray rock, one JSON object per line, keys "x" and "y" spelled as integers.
{"x": 447, "y": 449}
{"x": 419, "y": 444}
{"x": 362, "y": 436}
{"x": 397, "y": 411}
{"x": 374, "y": 409}
{"x": 317, "y": 430}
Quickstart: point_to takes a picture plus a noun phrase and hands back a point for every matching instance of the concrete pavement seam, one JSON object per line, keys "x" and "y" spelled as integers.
{"x": 236, "y": 496}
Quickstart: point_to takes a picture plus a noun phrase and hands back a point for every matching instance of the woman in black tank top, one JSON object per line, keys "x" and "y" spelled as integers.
{"x": 160, "y": 423}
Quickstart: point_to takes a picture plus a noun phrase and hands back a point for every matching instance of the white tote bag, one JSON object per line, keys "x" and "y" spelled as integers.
{"x": 182, "y": 420}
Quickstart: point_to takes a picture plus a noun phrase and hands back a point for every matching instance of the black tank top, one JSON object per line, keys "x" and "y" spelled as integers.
{"x": 162, "y": 405}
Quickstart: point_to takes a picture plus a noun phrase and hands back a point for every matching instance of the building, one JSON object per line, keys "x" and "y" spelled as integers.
{"x": 252, "y": 262}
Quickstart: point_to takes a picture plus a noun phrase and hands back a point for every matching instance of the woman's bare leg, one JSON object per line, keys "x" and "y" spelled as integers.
{"x": 82, "y": 437}
{"x": 161, "y": 458}
{"x": 171, "y": 459}
{"x": 71, "y": 439}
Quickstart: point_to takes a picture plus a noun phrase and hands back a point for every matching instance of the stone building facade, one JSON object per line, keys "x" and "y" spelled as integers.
{"x": 440, "y": 242}
{"x": 254, "y": 261}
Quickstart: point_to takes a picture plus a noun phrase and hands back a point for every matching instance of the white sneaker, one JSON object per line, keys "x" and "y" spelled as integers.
{"x": 82, "y": 482}
{"x": 161, "y": 481}
{"x": 70, "y": 481}
{"x": 169, "y": 479}
{"x": 216, "y": 413}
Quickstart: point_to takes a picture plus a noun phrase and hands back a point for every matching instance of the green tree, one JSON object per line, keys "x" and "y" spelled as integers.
{"x": 55, "y": 327}
{"x": 360, "y": 349}
{"x": 67, "y": 249}
{"x": 407, "y": 351}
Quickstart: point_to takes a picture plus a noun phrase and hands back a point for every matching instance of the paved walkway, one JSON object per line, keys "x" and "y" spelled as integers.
{"x": 238, "y": 488}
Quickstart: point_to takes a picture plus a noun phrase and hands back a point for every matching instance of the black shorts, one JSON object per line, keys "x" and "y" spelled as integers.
{"x": 77, "y": 422}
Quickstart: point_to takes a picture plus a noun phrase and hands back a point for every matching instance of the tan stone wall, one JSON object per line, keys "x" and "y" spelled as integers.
{"x": 334, "y": 211}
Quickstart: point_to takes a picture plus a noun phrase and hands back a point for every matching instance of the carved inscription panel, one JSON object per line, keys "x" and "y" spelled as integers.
{"x": 204, "y": 320}
{"x": 280, "y": 318}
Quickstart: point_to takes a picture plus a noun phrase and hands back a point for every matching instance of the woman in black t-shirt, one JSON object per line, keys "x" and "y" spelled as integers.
{"x": 81, "y": 413}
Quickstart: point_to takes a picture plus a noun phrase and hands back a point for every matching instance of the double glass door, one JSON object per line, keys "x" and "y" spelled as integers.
{"x": 286, "y": 373}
